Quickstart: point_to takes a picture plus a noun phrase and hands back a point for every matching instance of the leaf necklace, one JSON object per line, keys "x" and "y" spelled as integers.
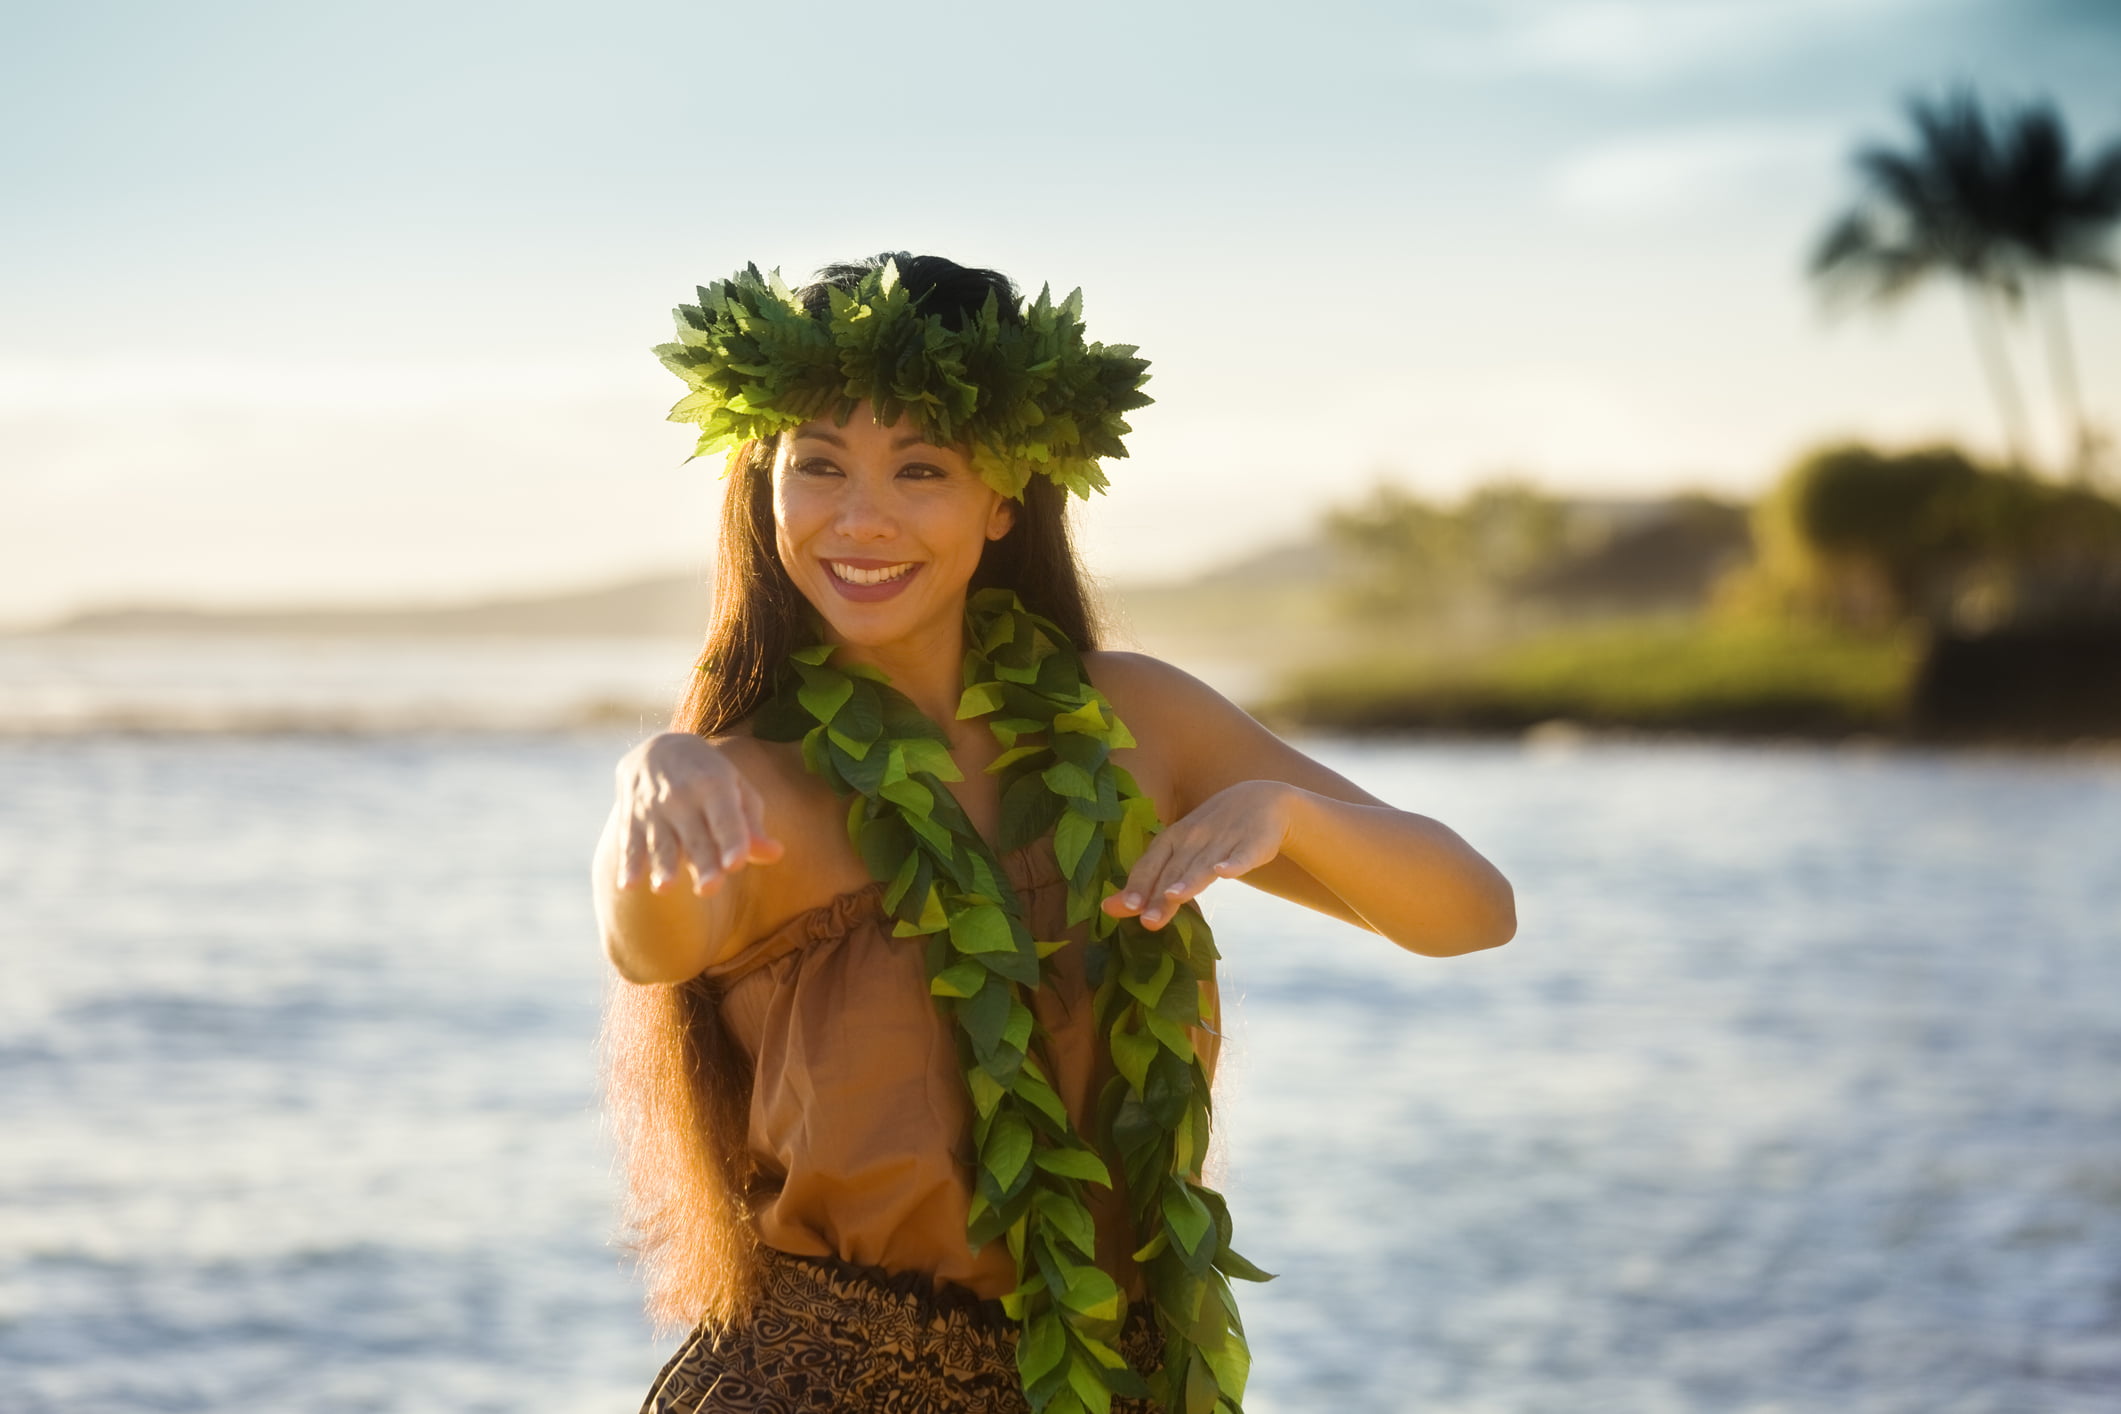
{"x": 868, "y": 741}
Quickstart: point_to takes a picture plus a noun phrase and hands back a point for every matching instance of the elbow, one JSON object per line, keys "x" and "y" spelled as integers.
{"x": 642, "y": 944}
{"x": 646, "y": 967}
{"x": 629, "y": 964}
{"x": 1482, "y": 924}
{"x": 1502, "y": 925}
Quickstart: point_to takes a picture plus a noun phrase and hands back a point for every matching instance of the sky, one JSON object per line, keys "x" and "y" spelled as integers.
{"x": 311, "y": 304}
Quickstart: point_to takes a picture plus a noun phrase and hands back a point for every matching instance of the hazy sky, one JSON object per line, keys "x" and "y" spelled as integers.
{"x": 320, "y": 303}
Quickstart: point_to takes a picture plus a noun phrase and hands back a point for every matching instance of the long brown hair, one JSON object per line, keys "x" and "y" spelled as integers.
{"x": 677, "y": 1086}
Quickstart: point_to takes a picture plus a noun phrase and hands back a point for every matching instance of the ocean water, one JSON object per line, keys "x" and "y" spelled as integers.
{"x": 1798, "y": 1090}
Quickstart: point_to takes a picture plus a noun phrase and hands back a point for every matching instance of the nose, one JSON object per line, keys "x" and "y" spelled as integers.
{"x": 864, "y": 512}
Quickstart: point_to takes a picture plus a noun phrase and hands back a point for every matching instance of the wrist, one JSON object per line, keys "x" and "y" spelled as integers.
{"x": 1296, "y": 808}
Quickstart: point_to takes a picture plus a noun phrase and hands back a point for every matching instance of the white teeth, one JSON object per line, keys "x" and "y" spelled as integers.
{"x": 859, "y": 576}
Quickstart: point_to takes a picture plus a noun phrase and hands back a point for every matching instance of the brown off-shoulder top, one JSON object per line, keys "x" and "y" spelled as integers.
{"x": 860, "y": 1125}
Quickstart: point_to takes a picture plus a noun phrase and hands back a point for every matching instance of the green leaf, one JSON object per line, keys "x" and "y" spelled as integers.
{"x": 1201, "y": 1389}
{"x": 1075, "y": 1163}
{"x": 1017, "y": 1031}
{"x": 1173, "y": 1037}
{"x": 1071, "y": 837}
{"x": 1154, "y": 1246}
{"x": 921, "y": 754}
{"x": 907, "y": 880}
{"x": 1084, "y": 751}
{"x": 1231, "y": 1265}
{"x": 1028, "y": 811}
{"x": 823, "y": 694}
{"x": 959, "y": 980}
{"x": 1232, "y": 1364}
{"x": 1137, "y": 825}
{"x": 1069, "y": 1218}
{"x": 859, "y": 716}
{"x": 985, "y": 1089}
{"x": 1131, "y": 1054}
{"x": 932, "y": 919}
{"x": 1008, "y": 1148}
{"x": 1010, "y": 757}
{"x": 984, "y": 1014}
{"x": 1093, "y": 1293}
{"x": 1088, "y": 1387}
{"x": 916, "y": 797}
{"x": 1188, "y": 1217}
{"x": 1034, "y": 1091}
{"x": 1041, "y": 1346}
{"x": 1146, "y": 990}
{"x": 1086, "y": 718}
{"x": 883, "y": 844}
{"x": 1010, "y": 672}
{"x": 1067, "y": 778}
{"x": 1018, "y": 967}
{"x": 982, "y": 928}
{"x": 979, "y": 699}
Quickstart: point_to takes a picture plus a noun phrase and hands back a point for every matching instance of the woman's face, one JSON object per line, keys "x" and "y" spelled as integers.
{"x": 879, "y": 529}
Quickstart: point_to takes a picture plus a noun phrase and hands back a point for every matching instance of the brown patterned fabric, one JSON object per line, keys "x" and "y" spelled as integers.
{"x": 835, "y": 1338}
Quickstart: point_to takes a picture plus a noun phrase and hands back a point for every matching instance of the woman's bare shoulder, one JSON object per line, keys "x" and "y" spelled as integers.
{"x": 1149, "y": 686}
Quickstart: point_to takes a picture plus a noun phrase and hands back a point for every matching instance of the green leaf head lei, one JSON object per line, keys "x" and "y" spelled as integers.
{"x": 947, "y": 892}
{"x": 1025, "y": 393}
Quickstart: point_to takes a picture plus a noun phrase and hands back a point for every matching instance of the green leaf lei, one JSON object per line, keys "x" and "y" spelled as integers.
{"x": 1028, "y": 398}
{"x": 1057, "y": 732}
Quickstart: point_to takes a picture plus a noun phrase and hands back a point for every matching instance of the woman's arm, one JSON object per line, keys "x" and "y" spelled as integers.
{"x": 1245, "y": 800}
{"x": 686, "y": 809}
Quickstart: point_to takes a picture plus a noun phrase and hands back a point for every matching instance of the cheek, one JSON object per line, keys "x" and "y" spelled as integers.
{"x": 795, "y": 516}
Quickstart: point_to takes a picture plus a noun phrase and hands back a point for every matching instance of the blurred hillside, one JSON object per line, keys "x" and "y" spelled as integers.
{"x": 659, "y": 606}
{"x": 1915, "y": 592}
{"x": 1892, "y": 593}
{"x": 1244, "y": 626}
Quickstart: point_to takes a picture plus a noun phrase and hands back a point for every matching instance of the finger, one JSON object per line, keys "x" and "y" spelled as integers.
{"x": 633, "y": 854}
{"x": 662, "y": 855}
{"x": 1136, "y": 892}
{"x": 1182, "y": 878}
{"x": 723, "y": 810}
{"x": 698, "y": 846}
{"x": 1157, "y": 887}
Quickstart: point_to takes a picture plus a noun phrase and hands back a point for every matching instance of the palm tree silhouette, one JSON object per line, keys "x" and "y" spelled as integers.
{"x": 1937, "y": 208}
{"x": 2002, "y": 209}
{"x": 2058, "y": 217}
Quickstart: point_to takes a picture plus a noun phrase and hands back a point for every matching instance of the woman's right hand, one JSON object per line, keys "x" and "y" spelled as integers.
{"x": 682, "y": 801}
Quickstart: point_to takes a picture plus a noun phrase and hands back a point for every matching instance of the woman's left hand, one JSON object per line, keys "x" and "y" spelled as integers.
{"x": 1230, "y": 833}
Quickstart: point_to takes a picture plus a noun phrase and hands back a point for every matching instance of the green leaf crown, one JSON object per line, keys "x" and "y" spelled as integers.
{"x": 1027, "y": 397}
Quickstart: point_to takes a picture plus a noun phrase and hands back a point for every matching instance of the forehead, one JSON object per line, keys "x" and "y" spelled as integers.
{"x": 899, "y": 437}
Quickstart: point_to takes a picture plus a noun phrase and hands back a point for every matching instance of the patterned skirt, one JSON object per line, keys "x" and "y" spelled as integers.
{"x": 829, "y": 1336}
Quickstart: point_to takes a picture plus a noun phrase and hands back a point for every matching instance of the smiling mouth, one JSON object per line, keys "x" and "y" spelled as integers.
{"x": 854, "y": 574}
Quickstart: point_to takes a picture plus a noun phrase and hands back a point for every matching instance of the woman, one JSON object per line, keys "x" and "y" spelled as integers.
{"x": 912, "y": 1052}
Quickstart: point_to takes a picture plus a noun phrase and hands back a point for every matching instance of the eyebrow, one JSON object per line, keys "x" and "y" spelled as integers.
{"x": 898, "y": 444}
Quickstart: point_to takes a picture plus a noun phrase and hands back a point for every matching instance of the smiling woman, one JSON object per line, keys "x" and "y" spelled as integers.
{"x": 917, "y": 1023}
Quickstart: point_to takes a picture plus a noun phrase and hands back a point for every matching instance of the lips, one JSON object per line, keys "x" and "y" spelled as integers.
{"x": 870, "y": 593}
